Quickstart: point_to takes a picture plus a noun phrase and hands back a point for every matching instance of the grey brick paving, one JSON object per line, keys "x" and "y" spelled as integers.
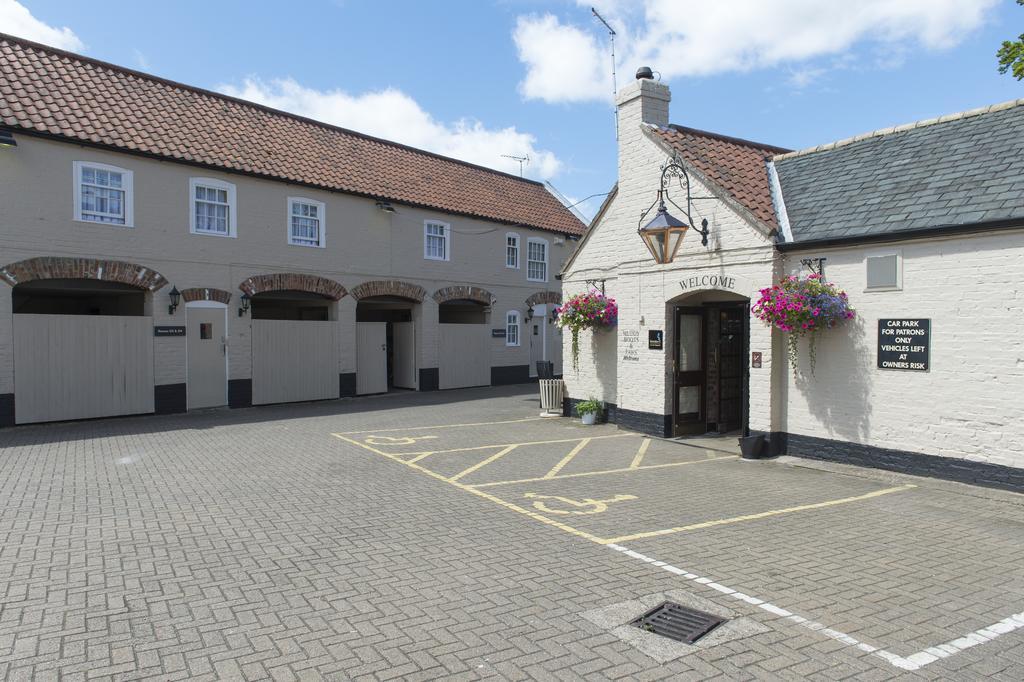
{"x": 255, "y": 545}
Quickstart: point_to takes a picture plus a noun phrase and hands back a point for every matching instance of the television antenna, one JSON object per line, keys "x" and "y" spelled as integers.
{"x": 520, "y": 159}
{"x": 615, "y": 83}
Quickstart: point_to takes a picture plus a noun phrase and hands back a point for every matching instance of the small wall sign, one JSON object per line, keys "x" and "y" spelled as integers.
{"x": 498, "y": 333}
{"x": 629, "y": 339}
{"x": 755, "y": 359}
{"x": 655, "y": 339}
{"x": 168, "y": 331}
{"x": 904, "y": 344}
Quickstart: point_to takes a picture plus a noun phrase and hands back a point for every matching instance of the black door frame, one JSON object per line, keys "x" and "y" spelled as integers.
{"x": 703, "y": 309}
{"x": 678, "y": 312}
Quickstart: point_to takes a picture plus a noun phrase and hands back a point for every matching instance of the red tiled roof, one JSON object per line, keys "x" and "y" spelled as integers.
{"x": 53, "y": 92}
{"x": 735, "y": 165}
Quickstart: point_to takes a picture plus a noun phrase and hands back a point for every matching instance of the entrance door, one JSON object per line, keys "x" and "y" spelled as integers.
{"x": 688, "y": 400}
{"x": 404, "y": 351}
{"x": 731, "y": 367}
{"x": 371, "y": 357}
{"x": 206, "y": 348}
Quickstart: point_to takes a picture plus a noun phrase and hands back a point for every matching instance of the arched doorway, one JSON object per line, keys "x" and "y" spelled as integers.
{"x": 294, "y": 337}
{"x": 387, "y": 313}
{"x": 708, "y": 363}
{"x": 83, "y": 338}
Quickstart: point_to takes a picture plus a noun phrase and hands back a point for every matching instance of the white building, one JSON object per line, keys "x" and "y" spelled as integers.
{"x": 165, "y": 248}
{"x": 920, "y": 225}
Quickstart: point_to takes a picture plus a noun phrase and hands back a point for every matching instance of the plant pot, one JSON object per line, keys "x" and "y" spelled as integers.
{"x": 589, "y": 418}
{"x": 752, "y": 447}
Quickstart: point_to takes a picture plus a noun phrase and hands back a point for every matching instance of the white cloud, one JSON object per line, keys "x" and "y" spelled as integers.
{"x": 16, "y": 20}
{"x": 700, "y": 38}
{"x": 393, "y": 115}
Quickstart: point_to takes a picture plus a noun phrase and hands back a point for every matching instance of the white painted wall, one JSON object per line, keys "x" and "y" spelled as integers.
{"x": 362, "y": 243}
{"x": 614, "y": 252}
{"x": 970, "y": 404}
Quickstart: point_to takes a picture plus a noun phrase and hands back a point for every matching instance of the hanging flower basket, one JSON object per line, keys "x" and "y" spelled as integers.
{"x": 592, "y": 310}
{"x": 803, "y": 307}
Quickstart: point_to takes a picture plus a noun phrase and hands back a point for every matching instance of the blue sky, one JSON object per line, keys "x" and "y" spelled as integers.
{"x": 481, "y": 79}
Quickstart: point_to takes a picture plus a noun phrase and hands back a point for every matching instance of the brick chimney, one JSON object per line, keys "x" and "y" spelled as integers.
{"x": 645, "y": 100}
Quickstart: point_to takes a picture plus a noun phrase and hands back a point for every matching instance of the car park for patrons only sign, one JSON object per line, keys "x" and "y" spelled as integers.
{"x": 904, "y": 344}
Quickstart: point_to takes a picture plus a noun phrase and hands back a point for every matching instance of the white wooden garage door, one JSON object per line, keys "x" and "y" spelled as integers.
{"x": 465, "y": 352}
{"x": 293, "y": 361}
{"x": 82, "y": 366}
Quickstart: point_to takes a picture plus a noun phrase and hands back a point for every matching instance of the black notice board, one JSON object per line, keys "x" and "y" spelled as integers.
{"x": 168, "y": 331}
{"x": 904, "y": 344}
{"x": 498, "y": 333}
{"x": 655, "y": 339}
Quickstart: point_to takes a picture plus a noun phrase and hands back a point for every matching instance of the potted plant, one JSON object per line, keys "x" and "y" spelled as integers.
{"x": 803, "y": 307}
{"x": 588, "y": 410}
{"x": 592, "y": 310}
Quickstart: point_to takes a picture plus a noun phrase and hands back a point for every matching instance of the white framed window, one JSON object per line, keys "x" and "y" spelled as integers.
{"x": 536, "y": 259}
{"x": 103, "y": 194}
{"x": 511, "y": 250}
{"x": 436, "y": 240}
{"x": 306, "y": 222}
{"x": 512, "y": 328}
{"x": 883, "y": 270}
{"x": 212, "y": 207}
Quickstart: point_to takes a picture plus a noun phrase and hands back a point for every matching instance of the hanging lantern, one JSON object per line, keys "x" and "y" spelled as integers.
{"x": 663, "y": 235}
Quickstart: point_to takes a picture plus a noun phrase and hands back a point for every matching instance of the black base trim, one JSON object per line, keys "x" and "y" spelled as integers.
{"x": 510, "y": 374}
{"x": 430, "y": 379}
{"x": 6, "y": 409}
{"x": 347, "y": 384}
{"x": 240, "y": 393}
{"x": 905, "y": 462}
{"x": 169, "y": 399}
{"x": 653, "y": 424}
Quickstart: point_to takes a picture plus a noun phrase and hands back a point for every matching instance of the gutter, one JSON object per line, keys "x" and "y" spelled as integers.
{"x": 950, "y": 230}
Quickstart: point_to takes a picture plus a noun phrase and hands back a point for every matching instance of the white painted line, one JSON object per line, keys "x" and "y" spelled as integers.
{"x": 912, "y": 662}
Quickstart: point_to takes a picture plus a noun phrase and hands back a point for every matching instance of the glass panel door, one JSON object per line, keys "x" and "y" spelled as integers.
{"x": 689, "y": 373}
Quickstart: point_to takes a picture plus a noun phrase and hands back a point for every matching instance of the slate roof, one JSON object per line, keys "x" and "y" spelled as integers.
{"x": 56, "y": 93}
{"x": 956, "y": 170}
{"x": 737, "y": 166}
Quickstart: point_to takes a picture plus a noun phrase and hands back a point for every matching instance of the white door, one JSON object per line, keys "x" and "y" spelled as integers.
{"x": 371, "y": 357}
{"x": 82, "y": 366}
{"x": 404, "y": 351}
{"x": 294, "y": 361}
{"x": 206, "y": 346}
{"x": 536, "y": 329}
{"x": 464, "y": 355}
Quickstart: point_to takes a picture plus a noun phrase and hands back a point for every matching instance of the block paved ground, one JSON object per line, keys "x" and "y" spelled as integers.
{"x": 456, "y": 535}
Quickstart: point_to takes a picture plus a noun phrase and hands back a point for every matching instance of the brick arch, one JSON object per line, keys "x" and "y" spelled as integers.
{"x": 544, "y": 297}
{"x": 205, "y": 294}
{"x": 55, "y": 267}
{"x": 463, "y": 293}
{"x": 292, "y": 281}
{"x": 389, "y": 287}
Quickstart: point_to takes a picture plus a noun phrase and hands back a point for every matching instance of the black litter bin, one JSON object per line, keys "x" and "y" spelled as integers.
{"x": 545, "y": 369}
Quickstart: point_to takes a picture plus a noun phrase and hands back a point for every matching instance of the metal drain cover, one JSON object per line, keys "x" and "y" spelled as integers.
{"x": 678, "y": 622}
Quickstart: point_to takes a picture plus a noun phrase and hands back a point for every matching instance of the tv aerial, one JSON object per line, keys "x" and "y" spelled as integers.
{"x": 521, "y": 159}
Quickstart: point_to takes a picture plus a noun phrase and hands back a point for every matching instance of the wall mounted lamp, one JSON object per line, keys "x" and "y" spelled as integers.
{"x": 664, "y": 234}
{"x": 244, "y": 308}
{"x": 175, "y": 297}
{"x": 7, "y": 139}
{"x": 386, "y": 206}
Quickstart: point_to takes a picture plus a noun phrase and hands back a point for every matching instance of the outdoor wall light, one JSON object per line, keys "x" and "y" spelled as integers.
{"x": 664, "y": 234}
{"x": 386, "y": 206}
{"x": 7, "y": 139}
{"x": 245, "y": 305}
{"x": 175, "y": 296}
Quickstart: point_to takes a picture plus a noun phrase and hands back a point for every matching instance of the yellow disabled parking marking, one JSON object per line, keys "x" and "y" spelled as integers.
{"x": 587, "y": 505}
{"x": 761, "y": 515}
{"x": 393, "y": 440}
{"x": 438, "y": 426}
